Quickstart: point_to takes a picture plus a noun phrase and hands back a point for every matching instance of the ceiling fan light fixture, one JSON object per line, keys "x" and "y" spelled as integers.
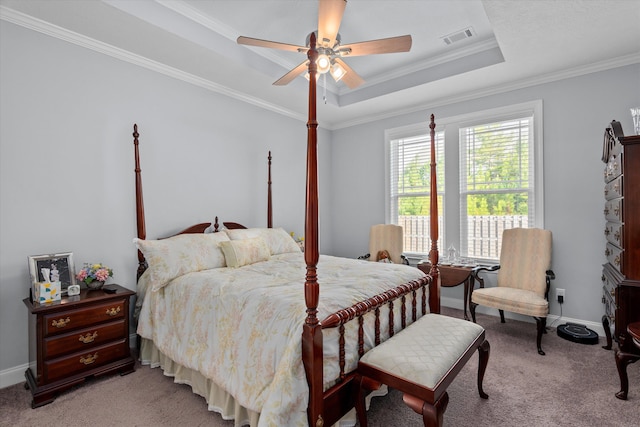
{"x": 337, "y": 71}
{"x": 324, "y": 63}
{"x": 306, "y": 76}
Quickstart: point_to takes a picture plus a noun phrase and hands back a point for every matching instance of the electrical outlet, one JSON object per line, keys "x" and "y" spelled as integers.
{"x": 560, "y": 295}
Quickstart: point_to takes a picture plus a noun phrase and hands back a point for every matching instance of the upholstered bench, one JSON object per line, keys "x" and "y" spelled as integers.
{"x": 421, "y": 361}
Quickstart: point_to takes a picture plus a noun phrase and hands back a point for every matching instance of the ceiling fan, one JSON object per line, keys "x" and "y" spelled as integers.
{"x": 330, "y": 49}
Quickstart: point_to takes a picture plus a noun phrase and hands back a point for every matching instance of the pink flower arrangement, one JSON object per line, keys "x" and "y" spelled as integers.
{"x": 91, "y": 272}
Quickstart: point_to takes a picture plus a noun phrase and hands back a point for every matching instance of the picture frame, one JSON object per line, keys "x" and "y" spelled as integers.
{"x": 62, "y": 262}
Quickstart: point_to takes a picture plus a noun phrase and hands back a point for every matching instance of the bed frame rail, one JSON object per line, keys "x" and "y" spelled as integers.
{"x": 338, "y": 400}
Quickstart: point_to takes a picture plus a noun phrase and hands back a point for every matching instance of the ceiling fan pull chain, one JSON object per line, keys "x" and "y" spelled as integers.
{"x": 324, "y": 87}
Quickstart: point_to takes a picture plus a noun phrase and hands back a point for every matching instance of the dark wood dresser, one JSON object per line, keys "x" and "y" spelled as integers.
{"x": 621, "y": 274}
{"x": 76, "y": 338}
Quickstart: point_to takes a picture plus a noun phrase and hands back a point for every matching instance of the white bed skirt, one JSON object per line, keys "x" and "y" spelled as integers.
{"x": 218, "y": 400}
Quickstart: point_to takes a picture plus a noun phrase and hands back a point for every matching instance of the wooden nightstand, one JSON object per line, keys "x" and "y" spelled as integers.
{"x": 76, "y": 338}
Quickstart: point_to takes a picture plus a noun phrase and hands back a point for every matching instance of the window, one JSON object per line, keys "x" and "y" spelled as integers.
{"x": 492, "y": 180}
{"x": 409, "y": 183}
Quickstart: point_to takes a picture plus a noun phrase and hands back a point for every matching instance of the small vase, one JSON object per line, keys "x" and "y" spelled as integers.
{"x": 95, "y": 285}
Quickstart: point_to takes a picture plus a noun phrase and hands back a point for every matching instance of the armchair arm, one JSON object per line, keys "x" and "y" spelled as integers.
{"x": 550, "y": 275}
{"x": 476, "y": 271}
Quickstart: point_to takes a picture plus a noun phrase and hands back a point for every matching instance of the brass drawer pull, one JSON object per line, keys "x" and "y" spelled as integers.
{"x": 89, "y": 359}
{"x": 113, "y": 311}
{"x": 607, "y": 252}
{"x": 61, "y": 323}
{"x": 606, "y": 231}
{"x": 616, "y": 261}
{"x": 89, "y": 338}
{"x": 617, "y": 235}
{"x": 606, "y": 211}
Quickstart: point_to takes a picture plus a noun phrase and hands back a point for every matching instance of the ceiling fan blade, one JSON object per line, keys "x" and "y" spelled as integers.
{"x": 373, "y": 47}
{"x": 287, "y": 78}
{"x": 329, "y": 18}
{"x": 351, "y": 78}
{"x": 274, "y": 45}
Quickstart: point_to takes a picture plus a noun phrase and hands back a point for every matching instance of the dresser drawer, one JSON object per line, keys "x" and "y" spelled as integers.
{"x": 65, "y": 321}
{"x": 83, "y": 361}
{"x": 613, "y": 169}
{"x": 613, "y": 210}
{"x": 609, "y": 287}
{"x": 84, "y": 339}
{"x": 613, "y": 189}
{"x": 609, "y": 306}
{"x": 614, "y": 256}
{"x": 613, "y": 231}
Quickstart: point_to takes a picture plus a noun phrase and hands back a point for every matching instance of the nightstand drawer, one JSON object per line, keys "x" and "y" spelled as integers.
{"x": 79, "y": 362}
{"x": 83, "y": 339}
{"x": 62, "y": 322}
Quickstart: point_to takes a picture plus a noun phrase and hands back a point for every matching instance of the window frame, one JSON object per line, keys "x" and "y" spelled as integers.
{"x": 452, "y": 231}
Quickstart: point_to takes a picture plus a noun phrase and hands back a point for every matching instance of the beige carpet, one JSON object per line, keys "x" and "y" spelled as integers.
{"x": 573, "y": 385}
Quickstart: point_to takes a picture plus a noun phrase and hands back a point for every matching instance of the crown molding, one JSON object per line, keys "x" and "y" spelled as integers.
{"x": 26, "y": 21}
{"x": 35, "y": 24}
{"x": 495, "y": 90}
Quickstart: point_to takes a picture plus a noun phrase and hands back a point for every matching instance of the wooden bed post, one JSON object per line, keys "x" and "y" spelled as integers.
{"x": 269, "y": 209}
{"x": 434, "y": 297}
{"x": 312, "y": 330}
{"x": 142, "y": 232}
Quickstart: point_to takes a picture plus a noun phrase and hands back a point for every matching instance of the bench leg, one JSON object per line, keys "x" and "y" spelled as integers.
{"x": 483, "y": 355}
{"x": 366, "y": 385}
{"x": 432, "y": 414}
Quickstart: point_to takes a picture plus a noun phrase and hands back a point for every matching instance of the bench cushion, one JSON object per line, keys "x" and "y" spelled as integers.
{"x": 426, "y": 350}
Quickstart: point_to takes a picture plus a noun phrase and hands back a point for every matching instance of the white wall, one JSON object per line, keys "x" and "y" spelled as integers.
{"x": 576, "y": 112}
{"x": 67, "y": 181}
{"x": 67, "y": 165}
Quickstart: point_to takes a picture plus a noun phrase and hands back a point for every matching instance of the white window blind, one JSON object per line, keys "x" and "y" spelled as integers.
{"x": 409, "y": 188}
{"x": 497, "y": 185}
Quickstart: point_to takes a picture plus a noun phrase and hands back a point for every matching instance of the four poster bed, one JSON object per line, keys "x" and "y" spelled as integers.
{"x": 237, "y": 314}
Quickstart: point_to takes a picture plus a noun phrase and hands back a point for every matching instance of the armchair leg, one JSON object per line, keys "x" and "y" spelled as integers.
{"x": 501, "y": 316}
{"x": 472, "y": 309}
{"x": 542, "y": 325}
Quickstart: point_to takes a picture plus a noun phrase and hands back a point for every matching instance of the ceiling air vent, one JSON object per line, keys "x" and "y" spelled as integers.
{"x": 458, "y": 35}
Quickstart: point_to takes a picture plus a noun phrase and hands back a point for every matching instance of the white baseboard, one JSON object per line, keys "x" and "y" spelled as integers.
{"x": 552, "y": 319}
{"x": 11, "y": 376}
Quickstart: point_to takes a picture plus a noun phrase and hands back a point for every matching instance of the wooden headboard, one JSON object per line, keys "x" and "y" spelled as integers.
{"x": 192, "y": 229}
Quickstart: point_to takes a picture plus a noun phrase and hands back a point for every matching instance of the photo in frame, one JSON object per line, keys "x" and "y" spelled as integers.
{"x": 61, "y": 268}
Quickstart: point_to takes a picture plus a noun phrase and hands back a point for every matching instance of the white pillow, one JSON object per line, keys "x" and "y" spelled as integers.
{"x": 182, "y": 254}
{"x": 244, "y": 252}
{"x": 277, "y": 239}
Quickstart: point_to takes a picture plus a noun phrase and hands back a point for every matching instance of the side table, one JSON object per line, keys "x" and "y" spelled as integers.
{"x": 75, "y": 338}
{"x": 451, "y": 276}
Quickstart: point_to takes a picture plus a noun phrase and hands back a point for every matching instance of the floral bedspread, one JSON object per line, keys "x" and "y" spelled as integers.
{"x": 242, "y": 327}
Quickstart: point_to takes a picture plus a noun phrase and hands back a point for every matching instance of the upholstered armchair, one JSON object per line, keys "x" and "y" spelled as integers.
{"x": 524, "y": 277}
{"x": 386, "y": 237}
